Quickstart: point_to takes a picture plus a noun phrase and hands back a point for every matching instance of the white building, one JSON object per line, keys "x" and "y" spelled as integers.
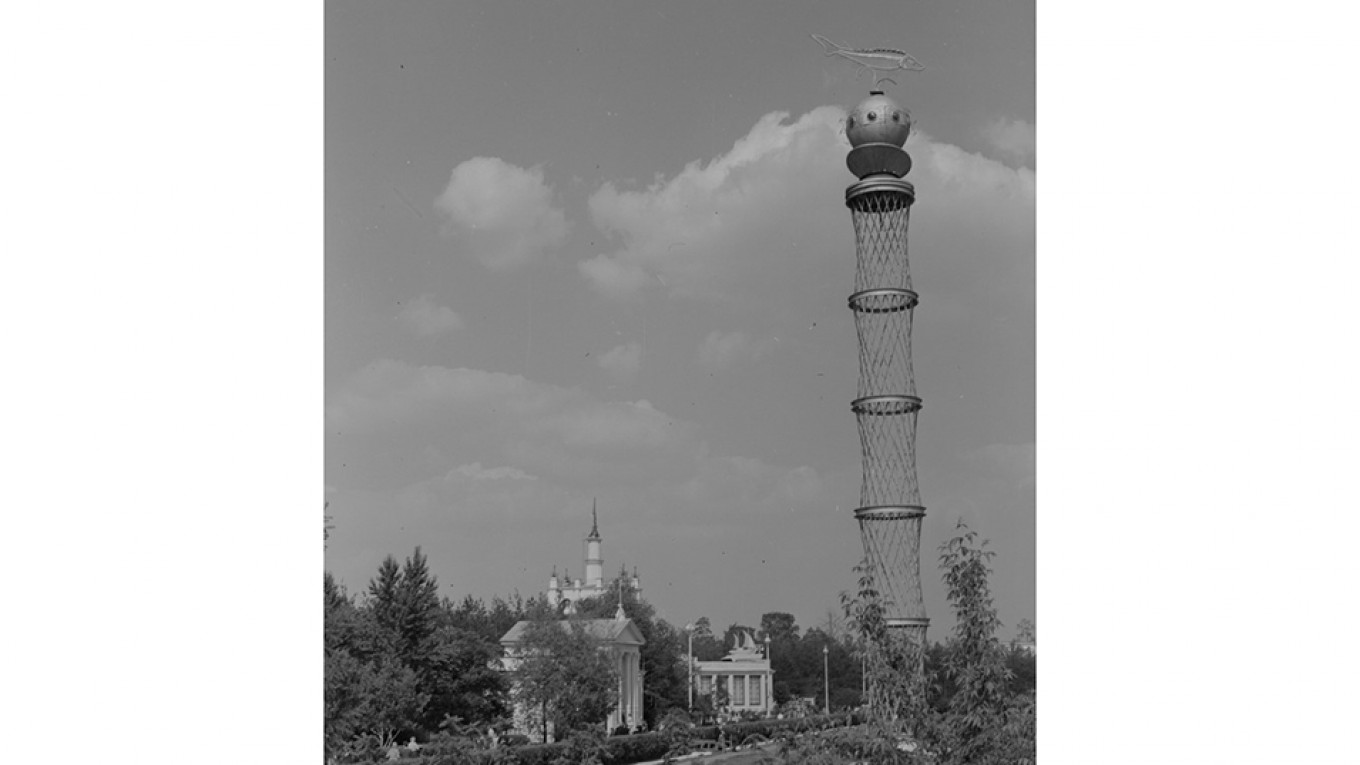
{"x": 565, "y": 592}
{"x": 621, "y": 638}
{"x": 744, "y": 674}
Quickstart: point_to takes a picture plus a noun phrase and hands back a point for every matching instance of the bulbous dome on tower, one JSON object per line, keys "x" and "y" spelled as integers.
{"x": 878, "y": 119}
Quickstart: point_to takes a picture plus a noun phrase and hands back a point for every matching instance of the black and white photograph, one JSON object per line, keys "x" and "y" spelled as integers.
{"x": 696, "y": 337}
{"x": 632, "y": 382}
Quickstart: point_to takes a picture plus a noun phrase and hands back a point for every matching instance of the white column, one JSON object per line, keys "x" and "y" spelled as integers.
{"x": 637, "y": 689}
{"x": 623, "y": 692}
{"x": 628, "y": 699}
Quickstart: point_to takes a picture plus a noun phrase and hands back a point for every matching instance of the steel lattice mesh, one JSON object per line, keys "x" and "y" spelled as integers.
{"x": 881, "y": 219}
{"x": 886, "y": 405}
{"x": 888, "y": 455}
{"x": 884, "y": 330}
{"x": 893, "y": 547}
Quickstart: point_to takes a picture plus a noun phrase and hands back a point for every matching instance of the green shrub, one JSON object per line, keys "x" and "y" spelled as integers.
{"x": 625, "y": 750}
{"x": 539, "y": 754}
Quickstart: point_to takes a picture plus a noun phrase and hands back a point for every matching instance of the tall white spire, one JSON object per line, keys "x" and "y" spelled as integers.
{"x": 594, "y": 563}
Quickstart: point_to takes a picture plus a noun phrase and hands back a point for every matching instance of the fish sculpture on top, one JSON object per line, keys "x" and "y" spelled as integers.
{"x": 872, "y": 59}
{"x": 878, "y": 127}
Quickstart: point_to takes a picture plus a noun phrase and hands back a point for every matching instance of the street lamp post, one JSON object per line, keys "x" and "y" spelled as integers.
{"x": 689, "y": 659}
{"x": 826, "y": 681}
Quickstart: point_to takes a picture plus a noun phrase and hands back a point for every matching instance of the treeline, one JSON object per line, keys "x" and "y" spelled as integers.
{"x": 402, "y": 660}
{"x": 797, "y": 661}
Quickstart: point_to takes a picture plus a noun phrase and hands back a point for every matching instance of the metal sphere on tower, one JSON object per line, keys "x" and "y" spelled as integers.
{"x": 877, "y": 129}
{"x": 878, "y": 119}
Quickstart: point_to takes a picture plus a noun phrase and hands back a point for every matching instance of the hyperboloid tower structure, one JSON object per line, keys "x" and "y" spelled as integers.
{"x": 890, "y": 510}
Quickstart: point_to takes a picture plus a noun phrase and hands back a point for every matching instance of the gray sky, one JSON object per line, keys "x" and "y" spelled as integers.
{"x": 580, "y": 251}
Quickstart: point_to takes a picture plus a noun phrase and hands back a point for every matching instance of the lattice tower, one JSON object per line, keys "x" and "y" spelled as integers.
{"x": 890, "y": 512}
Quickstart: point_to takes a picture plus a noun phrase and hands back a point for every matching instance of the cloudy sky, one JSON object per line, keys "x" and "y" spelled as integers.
{"x": 580, "y": 252}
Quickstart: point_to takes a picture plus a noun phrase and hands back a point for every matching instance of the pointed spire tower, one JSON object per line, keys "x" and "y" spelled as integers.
{"x": 594, "y": 562}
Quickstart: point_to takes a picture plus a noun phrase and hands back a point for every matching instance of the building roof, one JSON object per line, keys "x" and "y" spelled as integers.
{"x": 612, "y": 631}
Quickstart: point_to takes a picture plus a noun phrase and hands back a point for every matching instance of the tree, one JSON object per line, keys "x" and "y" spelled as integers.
{"x": 706, "y": 646}
{"x": 1025, "y": 631}
{"x": 565, "y": 674}
{"x": 461, "y": 681}
{"x": 1021, "y": 663}
{"x": 781, "y": 629}
{"x": 383, "y": 597}
{"x": 343, "y": 700}
{"x": 896, "y": 684}
{"x": 369, "y": 688}
{"x": 703, "y": 628}
{"x": 392, "y": 702}
{"x": 335, "y": 594}
{"x": 416, "y": 615}
{"x": 834, "y": 626}
{"x": 977, "y": 661}
{"x": 778, "y": 626}
{"x": 982, "y": 724}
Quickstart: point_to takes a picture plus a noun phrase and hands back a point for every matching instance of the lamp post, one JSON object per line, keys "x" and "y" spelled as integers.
{"x": 769, "y": 679}
{"x": 826, "y": 681}
{"x": 689, "y": 659}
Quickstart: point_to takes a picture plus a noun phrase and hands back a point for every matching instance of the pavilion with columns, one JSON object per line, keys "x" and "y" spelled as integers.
{"x": 744, "y": 674}
{"x": 621, "y": 638}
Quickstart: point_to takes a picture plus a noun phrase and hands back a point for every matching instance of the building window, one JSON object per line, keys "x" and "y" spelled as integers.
{"x": 757, "y": 698}
{"x": 739, "y": 691}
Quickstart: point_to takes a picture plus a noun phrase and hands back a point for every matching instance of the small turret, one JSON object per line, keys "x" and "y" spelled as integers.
{"x": 618, "y": 613}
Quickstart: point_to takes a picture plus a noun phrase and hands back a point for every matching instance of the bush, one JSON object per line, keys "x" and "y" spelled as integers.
{"x": 704, "y": 733}
{"x": 640, "y": 748}
{"x": 616, "y": 750}
{"x": 540, "y": 754}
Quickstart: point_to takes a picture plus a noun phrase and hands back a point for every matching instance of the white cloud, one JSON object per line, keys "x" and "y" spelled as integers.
{"x": 427, "y": 318}
{"x": 622, "y": 362}
{"x": 625, "y": 425}
{"x": 458, "y": 416}
{"x": 722, "y": 349}
{"x": 702, "y": 232}
{"x": 614, "y": 277}
{"x": 500, "y": 214}
{"x": 764, "y": 226}
{"x": 1014, "y": 139}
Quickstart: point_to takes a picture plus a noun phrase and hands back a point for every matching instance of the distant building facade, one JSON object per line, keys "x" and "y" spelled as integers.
{"x": 621, "y": 638}
{"x": 564, "y": 593}
{"x": 744, "y": 675}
